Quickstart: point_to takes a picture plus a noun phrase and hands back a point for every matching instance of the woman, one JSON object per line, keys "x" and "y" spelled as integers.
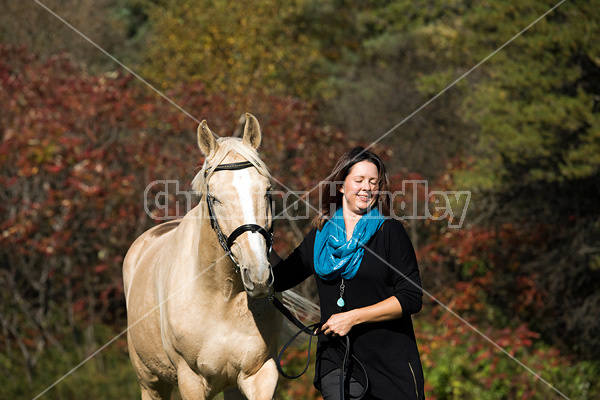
{"x": 368, "y": 283}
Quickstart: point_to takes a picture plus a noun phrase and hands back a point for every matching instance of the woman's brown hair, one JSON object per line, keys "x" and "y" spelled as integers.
{"x": 331, "y": 197}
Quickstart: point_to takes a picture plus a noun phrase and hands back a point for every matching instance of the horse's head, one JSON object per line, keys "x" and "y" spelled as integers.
{"x": 235, "y": 184}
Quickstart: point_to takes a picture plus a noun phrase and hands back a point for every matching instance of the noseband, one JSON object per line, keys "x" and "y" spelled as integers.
{"x": 227, "y": 241}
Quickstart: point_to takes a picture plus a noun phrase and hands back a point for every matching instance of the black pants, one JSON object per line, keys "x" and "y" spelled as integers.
{"x": 330, "y": 387}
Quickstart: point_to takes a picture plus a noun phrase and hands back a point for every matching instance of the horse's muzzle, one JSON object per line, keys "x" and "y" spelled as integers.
{"x": 257, "y": 286}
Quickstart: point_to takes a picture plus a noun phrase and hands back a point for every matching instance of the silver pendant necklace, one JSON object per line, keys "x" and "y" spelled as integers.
{"x": 340, "y": 302}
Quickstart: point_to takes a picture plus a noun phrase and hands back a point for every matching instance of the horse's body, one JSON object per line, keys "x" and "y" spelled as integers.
{"x": 193, "y": 320}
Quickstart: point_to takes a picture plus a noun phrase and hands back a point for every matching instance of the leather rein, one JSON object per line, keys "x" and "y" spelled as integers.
{"x": 227, "y": 241}
{"x": 310, "y": 330}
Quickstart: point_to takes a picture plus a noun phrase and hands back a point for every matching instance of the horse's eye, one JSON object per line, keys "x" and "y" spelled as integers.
{"x": 216, "y": 201}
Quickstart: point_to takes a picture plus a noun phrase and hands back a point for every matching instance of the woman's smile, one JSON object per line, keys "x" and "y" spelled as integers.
{"x": 365, "y": 198}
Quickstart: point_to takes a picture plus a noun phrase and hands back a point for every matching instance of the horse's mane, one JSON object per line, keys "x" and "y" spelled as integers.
{"x": 227, "y": 145}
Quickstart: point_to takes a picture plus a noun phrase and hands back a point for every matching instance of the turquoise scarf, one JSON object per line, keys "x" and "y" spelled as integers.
{"x": 334, "y": 256}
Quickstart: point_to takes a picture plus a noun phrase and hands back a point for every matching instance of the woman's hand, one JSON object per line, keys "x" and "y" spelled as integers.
{"x": 339, "y": 324}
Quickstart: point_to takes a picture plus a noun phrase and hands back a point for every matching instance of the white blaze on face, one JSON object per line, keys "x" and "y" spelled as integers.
{"x": 242, "y": 182}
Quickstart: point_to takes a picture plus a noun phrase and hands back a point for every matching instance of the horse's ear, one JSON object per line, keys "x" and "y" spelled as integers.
{"x": 252, "y": 133}
{"x": 206, "y": 139}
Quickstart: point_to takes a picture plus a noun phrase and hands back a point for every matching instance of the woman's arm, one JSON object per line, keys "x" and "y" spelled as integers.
{"x": 404, "y": 269}
{"x": 340, "y": 324}
{"x": 295, "y": 268}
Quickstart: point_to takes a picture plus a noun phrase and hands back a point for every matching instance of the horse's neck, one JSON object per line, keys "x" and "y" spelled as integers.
{"x": 210, "y": 261}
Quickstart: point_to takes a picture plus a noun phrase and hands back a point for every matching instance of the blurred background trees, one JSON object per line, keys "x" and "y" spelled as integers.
{"x": 82, "y": 139}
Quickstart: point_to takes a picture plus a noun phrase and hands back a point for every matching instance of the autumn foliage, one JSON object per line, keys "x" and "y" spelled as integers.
{"x": 77, "y": 154}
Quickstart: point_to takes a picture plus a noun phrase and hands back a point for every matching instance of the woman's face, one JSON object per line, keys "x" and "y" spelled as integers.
{"x": 360, "y": 187}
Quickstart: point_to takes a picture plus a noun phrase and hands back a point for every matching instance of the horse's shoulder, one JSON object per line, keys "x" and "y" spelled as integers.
{"x": 147, "y": 239}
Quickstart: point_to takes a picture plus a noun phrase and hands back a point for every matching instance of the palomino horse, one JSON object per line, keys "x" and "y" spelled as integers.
{"x": 194, "y": 321}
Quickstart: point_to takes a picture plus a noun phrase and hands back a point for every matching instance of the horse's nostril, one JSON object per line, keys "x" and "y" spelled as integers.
{"x": 246, "y": 279}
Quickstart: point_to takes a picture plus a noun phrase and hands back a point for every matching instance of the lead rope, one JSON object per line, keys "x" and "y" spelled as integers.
{"x": 310, "y": 330}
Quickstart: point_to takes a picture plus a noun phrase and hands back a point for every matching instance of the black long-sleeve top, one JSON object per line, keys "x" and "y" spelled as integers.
{"x": 388, "y": 349}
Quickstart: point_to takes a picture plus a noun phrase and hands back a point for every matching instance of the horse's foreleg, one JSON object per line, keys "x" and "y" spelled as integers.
{"x": 191, "y": 385}
{"x": 262, "y": 384}
{"x": 152, "y": 387}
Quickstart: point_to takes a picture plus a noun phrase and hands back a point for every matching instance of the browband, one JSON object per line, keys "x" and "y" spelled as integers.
{"x": 230, "y": 167}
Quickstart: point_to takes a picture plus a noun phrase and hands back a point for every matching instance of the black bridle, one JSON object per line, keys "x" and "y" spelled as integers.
{"x": 227, "y": 241}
